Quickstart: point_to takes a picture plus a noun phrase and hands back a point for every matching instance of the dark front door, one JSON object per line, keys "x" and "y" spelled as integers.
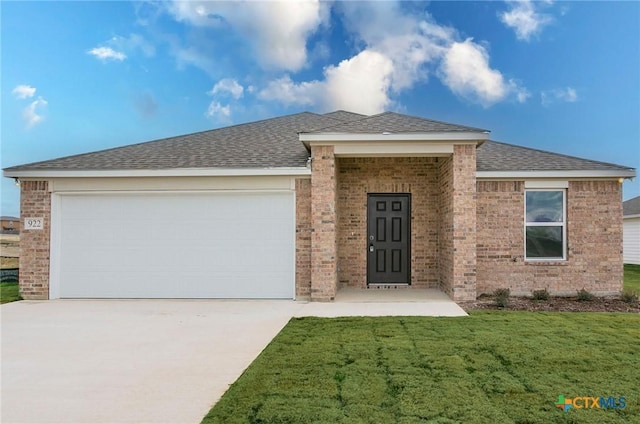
{"x": 388, "y": 230}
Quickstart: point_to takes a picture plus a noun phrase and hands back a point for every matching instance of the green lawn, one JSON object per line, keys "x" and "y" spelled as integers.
{"x": 632, "y": 277}
{"x": 9, "y": 292}
{"x": 491, "y": 367}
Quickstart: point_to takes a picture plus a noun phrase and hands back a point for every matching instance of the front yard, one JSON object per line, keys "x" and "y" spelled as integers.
{"x": 632, "y": 277}
{"x": 9, "y": 292}
{"x": 491, "y": 367}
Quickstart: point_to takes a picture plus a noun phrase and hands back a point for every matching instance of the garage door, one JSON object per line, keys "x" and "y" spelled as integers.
{"x": 180, "y": 245}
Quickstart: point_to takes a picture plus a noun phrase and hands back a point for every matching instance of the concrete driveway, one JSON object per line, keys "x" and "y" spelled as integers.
{"x": 129, "y": 361}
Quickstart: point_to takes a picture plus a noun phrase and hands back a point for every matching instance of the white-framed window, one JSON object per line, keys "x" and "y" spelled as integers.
{"x": 545, "y": 225}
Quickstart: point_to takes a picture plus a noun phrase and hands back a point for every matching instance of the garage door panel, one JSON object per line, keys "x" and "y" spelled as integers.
{"x": 197, "y": 245}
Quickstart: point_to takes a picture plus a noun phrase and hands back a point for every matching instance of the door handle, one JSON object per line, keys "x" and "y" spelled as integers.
{"x": 371, "y": 248}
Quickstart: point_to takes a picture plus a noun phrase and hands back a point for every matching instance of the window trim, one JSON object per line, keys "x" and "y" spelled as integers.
{"x": 562, "y": 224}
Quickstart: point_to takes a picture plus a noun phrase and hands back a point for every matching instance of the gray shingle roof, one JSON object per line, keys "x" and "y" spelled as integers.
{"x": 394, "y": 123}
{"x": 345, "y": 116}
{"x": 274, "y": 142}
{"x": 263, "y": 144}
{"x": 631, "y": 206}
{"x": 496, "y": 156}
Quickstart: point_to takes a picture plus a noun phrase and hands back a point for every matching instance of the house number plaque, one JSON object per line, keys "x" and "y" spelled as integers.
{"x": 34, "y": 223}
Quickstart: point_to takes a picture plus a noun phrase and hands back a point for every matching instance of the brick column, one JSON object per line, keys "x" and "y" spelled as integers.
{"x": 35, "y": 202}
{"x": 323, "y": 223}
{"x": 303, "y": 238}
{"x": 464, "y": 222}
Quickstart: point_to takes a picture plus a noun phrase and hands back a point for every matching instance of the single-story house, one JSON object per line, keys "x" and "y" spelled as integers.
{"x": 631, "y": 231}
{"x": 10, "y": 224}
{"x": 300, "y": 206}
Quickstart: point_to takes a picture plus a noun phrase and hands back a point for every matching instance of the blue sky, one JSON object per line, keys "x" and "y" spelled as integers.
{"x": 83, "y": 76}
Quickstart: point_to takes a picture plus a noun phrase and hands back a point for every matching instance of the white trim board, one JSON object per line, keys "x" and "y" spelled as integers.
{"x": 178, "y": 172}
{"x": 384, "y": 137}
{"x": 630, "y": 173}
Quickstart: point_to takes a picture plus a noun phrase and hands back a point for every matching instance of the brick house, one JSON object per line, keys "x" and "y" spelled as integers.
{"x": 301, "y": 205}
{"x": 10, "y": 224}
{"x": 631, "y": 231}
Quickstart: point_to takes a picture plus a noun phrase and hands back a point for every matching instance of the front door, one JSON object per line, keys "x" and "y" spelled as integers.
{"x": 388, "y": 236}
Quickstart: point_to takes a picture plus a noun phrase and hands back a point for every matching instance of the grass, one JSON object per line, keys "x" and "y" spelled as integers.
{"x": 9, "y": 292}
{"x": 491, "y": 367}
{"x": 632, "y": 277}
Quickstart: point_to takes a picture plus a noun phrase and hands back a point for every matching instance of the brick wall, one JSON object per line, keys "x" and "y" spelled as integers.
{"x": 359, "y": 176}
{"x": 35, "y": 201}
{"x": 594, "y": 240}
{"x": 303, "y": 238}
{"x": 457, "y": 227}
{"x": 445, "y": 229}
{"x": 323, "y": 221}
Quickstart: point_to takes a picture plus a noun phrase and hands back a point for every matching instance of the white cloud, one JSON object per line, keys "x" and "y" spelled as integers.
{"x": 228, "y": 86}
{"x": 192, "y": 56}
{"x": 567, "y": 94}
{"x": 287, "y": 92}
{"x": 107, "y": 53}
{"x": 465, "y": 70}
{"x": 400, "y": 51}
{"x": 132, "y": 43}
{"x": 217, "y": 111}
{"x": 397, "y": 46}
{"x": 277, "y": 31}
{"x": 524, "y": 19}
{"x": 410, "y": 43}
{"x": 23, "y": 91}
{"x": 359, "y": 84}
{"x": 32, "y": 113}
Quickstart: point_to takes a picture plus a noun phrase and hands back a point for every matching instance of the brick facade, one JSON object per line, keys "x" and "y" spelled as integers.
{"x": 35, "y": 202}
{"x": 323, "y": 224}
{"x": 594, "y": 241}
{"x": 303, "y": 238}
{"x": 457, "y": 227}
{"x": 467, "y": 236}
{"x": 442, "y": 217}
{"x": 359, "y": 176}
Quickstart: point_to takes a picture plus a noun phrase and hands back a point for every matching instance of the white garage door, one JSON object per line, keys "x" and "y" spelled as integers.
{"x": 191, "y": 245}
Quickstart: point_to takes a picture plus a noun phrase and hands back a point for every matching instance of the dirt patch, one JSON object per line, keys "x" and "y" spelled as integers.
{"x": 8, "y": 263}
{"x": 554, "y": 304}
{"x": 10, "y": 246}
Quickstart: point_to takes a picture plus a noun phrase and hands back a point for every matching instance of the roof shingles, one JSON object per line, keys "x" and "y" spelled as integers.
{"x": 274, "y": 143}
{"x": 496, "y": 156}
{"x": 631, "y": 206}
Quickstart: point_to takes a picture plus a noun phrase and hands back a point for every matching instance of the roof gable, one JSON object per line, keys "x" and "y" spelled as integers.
{"x": 391, "y": 122}
{"x": 275, "y": 143}
{"x": 266, "y": 144}
{"x": 497, "y": 156}
{"x": 631, "y": 206}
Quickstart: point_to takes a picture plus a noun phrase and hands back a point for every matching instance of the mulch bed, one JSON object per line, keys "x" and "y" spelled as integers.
{"x": 554, "y": 304}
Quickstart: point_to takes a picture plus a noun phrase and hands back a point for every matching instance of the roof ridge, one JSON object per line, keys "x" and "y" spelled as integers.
{"x": 559, "y": 154}
{"x": 388, "y": 112}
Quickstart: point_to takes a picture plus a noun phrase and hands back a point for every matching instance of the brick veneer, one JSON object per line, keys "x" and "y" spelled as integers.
{"x": 303, "y": 238}
{"x": 457, "y": 230}
{"x": 323, "y": 224}
{"x": 35, "y": 201}
{"x": 359, "y": 176}
{"x": 594, "y": 239}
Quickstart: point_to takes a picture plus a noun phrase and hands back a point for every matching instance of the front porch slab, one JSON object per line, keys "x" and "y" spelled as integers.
{"x": 378, "y": 302}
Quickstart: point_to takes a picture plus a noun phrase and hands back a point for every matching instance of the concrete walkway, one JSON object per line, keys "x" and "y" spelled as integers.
{"x": 148, "y": 361}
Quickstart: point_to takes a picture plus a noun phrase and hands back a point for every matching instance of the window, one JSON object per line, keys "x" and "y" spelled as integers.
{"x": 545, "y": 227}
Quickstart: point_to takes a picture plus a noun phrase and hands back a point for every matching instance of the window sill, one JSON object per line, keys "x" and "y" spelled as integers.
{"x": 545, "y": 262}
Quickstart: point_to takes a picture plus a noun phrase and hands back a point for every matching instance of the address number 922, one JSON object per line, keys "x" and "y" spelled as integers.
{"x": 33, "y": 223}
